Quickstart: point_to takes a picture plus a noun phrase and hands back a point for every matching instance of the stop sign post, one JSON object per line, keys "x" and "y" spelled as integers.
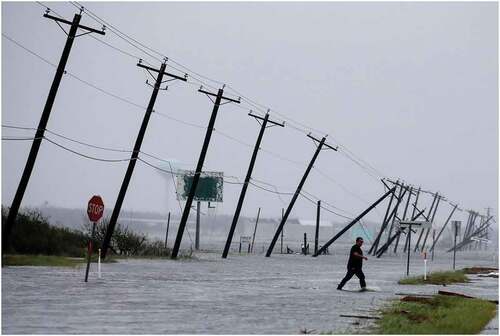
{"x": 95, "y": 209}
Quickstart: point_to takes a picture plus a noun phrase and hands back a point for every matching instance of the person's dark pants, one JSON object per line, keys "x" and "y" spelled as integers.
{"x": 350, "y": 272}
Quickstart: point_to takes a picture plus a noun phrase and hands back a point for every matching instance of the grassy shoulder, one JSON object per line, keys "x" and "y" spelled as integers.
{"x": 437, "y": 278}
{"x": 436, "y": 315}
{"x": 46, "y": 260}
{"x": 40, "y": 260}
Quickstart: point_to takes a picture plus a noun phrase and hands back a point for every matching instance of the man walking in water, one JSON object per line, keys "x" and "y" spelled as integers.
{"x": 355, "y": 265}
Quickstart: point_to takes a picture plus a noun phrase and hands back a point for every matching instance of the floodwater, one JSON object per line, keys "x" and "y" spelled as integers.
{"x": 244, "y": 294}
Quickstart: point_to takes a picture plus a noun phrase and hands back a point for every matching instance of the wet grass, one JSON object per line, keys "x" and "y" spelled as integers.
{"x": 40, "y": 260}
{"x": 437, "y": 278}
{"x": 440, "y": 315}
{"x": 45, "y": 260}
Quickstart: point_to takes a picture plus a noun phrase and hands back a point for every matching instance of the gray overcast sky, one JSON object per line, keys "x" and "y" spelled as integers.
{"x": 412, "y": 88}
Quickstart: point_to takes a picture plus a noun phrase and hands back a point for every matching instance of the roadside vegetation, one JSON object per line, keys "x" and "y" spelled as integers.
{"x": 40, "y": 260}
{"x": 437, "y": 278}
{"x": 35, "y": 242}
{"x": 436, "y": 315}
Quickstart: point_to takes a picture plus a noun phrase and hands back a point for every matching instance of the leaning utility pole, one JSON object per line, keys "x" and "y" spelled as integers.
{"x": 412, "y": 215}
{"x": 432, "y": 221}
{"x": 442, "y": 229}
{"x": 263, "y": 127}
{"x": 196, "y": 178}
{"x": 385, "y": 217}
{"x": 297, "y": 192}
{"x": 137, "y": 148}
{"x": 354, "y": 221}
{"x": 37, "y": 141}
{"x": 428, "y": 216}
{"x": 404, "y": 217}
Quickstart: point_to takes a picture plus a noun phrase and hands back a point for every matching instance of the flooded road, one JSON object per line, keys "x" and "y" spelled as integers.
{"x": 244, "y": 294}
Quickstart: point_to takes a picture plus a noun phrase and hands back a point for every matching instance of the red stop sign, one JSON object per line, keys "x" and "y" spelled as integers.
{"x": 95, "y": 208}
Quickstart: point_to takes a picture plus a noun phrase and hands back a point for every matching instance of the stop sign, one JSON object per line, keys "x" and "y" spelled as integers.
{"x": 95, "y": 208}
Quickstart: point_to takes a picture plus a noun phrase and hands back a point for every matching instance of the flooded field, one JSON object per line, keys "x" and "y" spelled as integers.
{"x": 245, "y": 294}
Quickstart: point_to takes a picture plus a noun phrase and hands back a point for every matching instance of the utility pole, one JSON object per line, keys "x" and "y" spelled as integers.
{"x": 166, "y": 234}
{"x": 375, "y": 244}
{"x": 354, "y": 221}
{"x": 282, "y": 231}
{"x": 137, "y": 148}
{"x": 428, "y": 216}
{"x": 42, "y": 125}
{"x": 219, "y": 97}
{"x": 299, "y": 188}
{"x": 404, "y": 217}
{"x": 384, "y": 226}
{"x": 442, "y": 229}
{"x": 264, "y": 123}
{"x": 316, "y": 236}
{"x": 412, "y": 215}
{"x": 397, "y": 208}
{"x": 255, "y": 229}
{"x": 432, "y": 221}
{"x": 197, "y": 234}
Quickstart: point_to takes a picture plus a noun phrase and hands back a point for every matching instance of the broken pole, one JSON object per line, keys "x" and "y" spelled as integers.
{"x": 401, "y": 195}
{"x": 263, "y": 127}
{"x": 297, "y": 192}
{"x": 354, "y": 221}
{"x": 201, "y": 160}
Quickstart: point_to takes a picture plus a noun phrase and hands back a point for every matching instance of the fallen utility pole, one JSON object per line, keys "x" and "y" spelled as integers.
{"x": 442, "y": 229}
{"x": 255, "y": 230}
{"x": 263, "y": 127}
{"x": 196, "y": 178}
{"x": 320, "y": 145}
{"x": 468, "y": 240}
{"x": 137, "y": 149}
{"x": 44, "y": 119}
{"x": 354, "y": 221}
{"x": 428, "y": 216}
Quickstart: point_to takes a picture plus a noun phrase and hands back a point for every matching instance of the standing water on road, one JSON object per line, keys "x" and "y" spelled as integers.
{"x": 244, "y": 294}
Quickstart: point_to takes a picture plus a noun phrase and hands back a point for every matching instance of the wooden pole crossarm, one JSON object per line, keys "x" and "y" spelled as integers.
{"x": 48, "y": 16}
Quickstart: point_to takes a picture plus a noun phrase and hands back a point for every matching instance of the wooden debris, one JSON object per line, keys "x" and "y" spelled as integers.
{"x": 441, "y": 292}
{"x": 361, "y": 316}
{"x": 480, "y": 270}
{"x": 418, "y": 299}
{"x": 415, "y": 294}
